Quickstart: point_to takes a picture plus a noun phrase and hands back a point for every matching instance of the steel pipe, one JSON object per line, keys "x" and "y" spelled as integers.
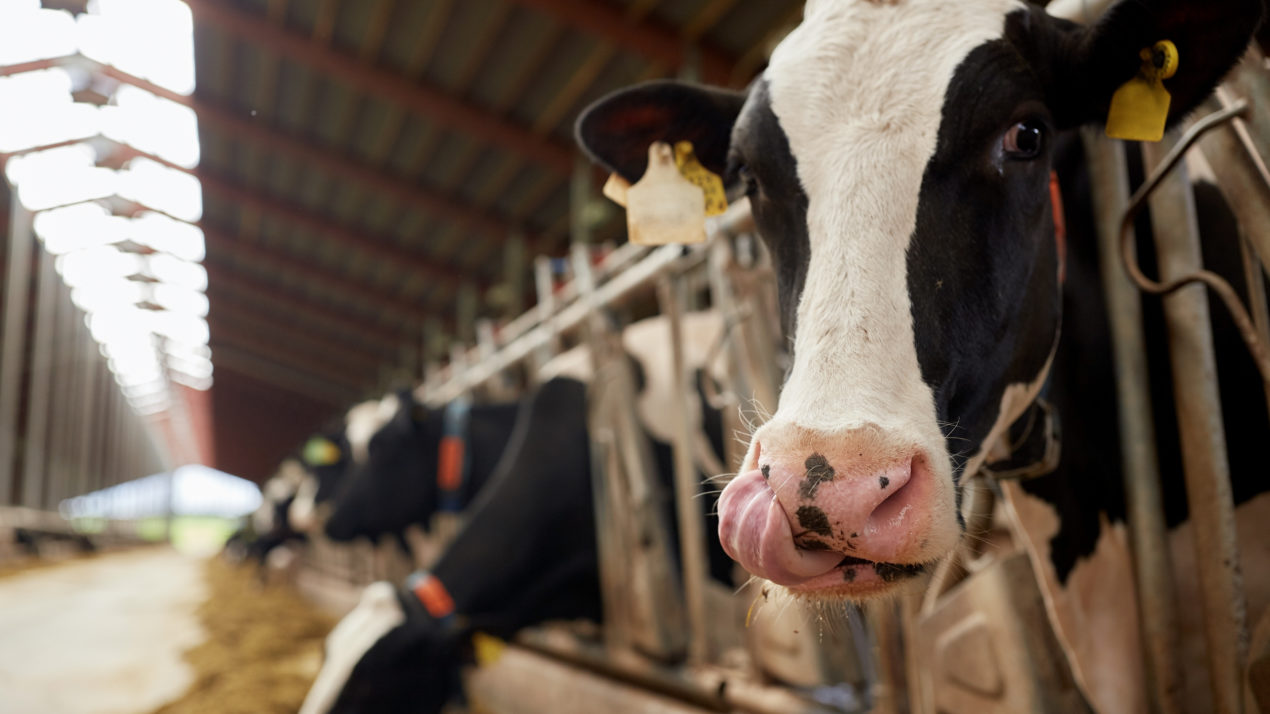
{"x": 1199, "y": 416}
{"x": 1152, "y": 568}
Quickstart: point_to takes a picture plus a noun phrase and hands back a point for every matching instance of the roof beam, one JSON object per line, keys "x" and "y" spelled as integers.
{"x": 347, "y": 352}
{"x": 457, "y": 114}
{"x": 224, "y": 243}
{"x": 658, "y": 43}
{"x": 245, "y": 290}
{"x": 380, "y": 248}
{"x": 283, "y": 377}
{"x": 234, "y": 337}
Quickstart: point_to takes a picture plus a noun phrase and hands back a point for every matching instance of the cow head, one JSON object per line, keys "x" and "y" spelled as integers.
{"x": 392, "y": 480}
{"x": 897, "y": 156}
{"x": 326, "y": 460}
{"x": 380, "y": 659}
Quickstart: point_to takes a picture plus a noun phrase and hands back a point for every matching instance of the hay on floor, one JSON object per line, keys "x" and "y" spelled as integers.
{"x": 263, "y": 647}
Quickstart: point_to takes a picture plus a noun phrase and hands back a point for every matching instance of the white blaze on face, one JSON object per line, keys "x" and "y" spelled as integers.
{"x": 376, "y": 614}
{"x": 859, "y": 90}
{"x": 364, "y": 420}
{"x": 281, "y": 486}
{"x": 302, "y": 512}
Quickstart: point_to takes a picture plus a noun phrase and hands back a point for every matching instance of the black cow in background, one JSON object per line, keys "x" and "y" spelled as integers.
{"x": 527, "y": 554}
{"x": 396, "y": 484}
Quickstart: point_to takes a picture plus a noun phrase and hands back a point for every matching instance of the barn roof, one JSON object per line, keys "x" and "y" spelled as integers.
{"x": 364, "y": 162}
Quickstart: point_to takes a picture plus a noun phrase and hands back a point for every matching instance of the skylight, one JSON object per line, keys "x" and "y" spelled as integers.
{"x": 121, "y": 224}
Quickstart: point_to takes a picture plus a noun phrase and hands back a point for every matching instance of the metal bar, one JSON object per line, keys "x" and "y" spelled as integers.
{"x": 1200, "y": 424}
{"x": 692, "y": 536}
{"x": 84, "y": 402}
{"x": 1240, "y": 180}
{"x": 40, "y": 394}
{"x": 1254, "y": 278}
{"x": 60, "y": 486}
{"x": 1152, "y": 569}
{"x": 13, "y": 338}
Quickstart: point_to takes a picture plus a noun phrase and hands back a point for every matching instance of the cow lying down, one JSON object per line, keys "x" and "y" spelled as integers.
{"x": 898, "y": 157}
{"x": 526, "y": 554}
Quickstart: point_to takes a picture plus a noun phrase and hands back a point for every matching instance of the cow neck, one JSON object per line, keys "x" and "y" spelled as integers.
{"x": 453, "y": 457}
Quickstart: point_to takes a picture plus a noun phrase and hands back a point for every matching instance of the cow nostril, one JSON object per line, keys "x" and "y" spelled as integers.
{"x": 899, "y": 495}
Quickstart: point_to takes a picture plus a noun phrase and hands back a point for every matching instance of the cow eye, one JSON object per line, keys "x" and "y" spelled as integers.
{"x": 738, "y": 170}
{"x": 1024, "y": 140}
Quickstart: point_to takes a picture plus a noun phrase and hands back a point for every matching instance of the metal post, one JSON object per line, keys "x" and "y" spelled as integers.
{"x": 1152, "y": 570}
{"x": 40, "y": 397}
{"x": 466, "y": 308}
{"x": 63, "y": 361}
{"x": 1200, "y": 425}
{"x": 1242, "y": 178}
{"x": 85, "y": 400}
{"x": 579, "y": 199}
{"x": 514, "y": 269}
{"x": 13, "y": 338}
{"x": 692, "y": 536}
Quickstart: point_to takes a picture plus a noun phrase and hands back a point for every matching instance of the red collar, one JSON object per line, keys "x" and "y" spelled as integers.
{"x": 1060, "y": 226}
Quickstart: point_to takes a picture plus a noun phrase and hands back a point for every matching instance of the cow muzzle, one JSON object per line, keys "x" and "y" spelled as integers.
{"x": 847, "y": 514}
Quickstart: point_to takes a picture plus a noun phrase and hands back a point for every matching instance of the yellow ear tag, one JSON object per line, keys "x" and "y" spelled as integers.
{"x": 1140, "y": 107}
{"x": 710, "y": 183}
{"x": 663, "y": 206}
{"x": 615, "y": 189}
{"x": 487, "y": 649}
{"x": 320, "y": 452}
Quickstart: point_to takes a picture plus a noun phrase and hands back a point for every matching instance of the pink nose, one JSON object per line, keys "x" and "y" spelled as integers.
{"x": 815, "y": 499}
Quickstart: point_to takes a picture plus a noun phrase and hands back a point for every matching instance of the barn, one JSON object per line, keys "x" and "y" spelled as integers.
{"x": 634, "y": 355}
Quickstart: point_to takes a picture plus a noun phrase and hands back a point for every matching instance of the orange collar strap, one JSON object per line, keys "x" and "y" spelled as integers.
{"x": 432, "y": 593}
{"x": 1060, "y": 226}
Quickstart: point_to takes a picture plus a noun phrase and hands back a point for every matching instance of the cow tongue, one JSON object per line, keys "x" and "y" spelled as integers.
{"x": 755, "y": 532}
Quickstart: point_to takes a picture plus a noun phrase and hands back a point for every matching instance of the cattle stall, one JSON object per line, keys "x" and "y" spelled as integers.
{"x": 501, "y": 418}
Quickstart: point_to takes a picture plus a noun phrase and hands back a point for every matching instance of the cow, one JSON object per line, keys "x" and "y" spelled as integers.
{"x": 898, "y": 157}
{"x": 527, "y": 553}
{"x": 270, "y": 524}
{"x": 394, "y": 480}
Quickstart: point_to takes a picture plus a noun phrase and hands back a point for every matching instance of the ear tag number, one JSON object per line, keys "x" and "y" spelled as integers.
{"x": 709, "y": 182}
{"x": 1140, "y": 107}
{"x": 663, "y": 206}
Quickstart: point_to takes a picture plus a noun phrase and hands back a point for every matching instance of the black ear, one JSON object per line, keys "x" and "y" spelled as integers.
{"x": 1210, "y": 37}
{"x": 617, "y": 130}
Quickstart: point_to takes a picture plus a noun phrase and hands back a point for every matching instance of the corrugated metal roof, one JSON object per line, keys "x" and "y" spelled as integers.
{"x": 365, "y": 159}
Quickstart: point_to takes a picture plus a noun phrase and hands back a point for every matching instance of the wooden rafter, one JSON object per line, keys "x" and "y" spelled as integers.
{"x": 282, "y": 375}
{"x": 225, "y": 243}
{"x": 376, "y": 29}
{"x": 381, "y": 248}
{"x": 227, "y": 333}
{"x": 445, "y": 205}
{"x": 334, "y": 318}
{"x": 426, "y": 42}
{"x": 370, "y": 79}
{"x": 351, "y": 354}
{"x": 653, "y": 40}
{"x": 491, "y": 25}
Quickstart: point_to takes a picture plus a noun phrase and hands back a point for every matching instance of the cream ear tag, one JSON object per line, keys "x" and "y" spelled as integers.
{"x": 615, "y": 189}
{"x": 663, "y": 206}
{"x": 710, "y": 183}
{"x": 1140, "y": 107}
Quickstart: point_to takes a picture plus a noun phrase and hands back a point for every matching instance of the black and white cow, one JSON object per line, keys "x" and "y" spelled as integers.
{"x": 526, "y": 554}
{"x": 396, "y": 484}
{"x": 898, "y": 158}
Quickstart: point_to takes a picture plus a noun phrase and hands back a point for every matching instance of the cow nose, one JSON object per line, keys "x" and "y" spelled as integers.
{"x": 855, "y": 493}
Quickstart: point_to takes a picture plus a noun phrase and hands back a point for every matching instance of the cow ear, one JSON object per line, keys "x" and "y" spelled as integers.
{"x": 617, "y": 130}
{"x": 1210, "y": 38}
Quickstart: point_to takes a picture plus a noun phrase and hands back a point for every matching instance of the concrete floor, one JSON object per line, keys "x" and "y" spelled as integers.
{"x": 99, "y": 636}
